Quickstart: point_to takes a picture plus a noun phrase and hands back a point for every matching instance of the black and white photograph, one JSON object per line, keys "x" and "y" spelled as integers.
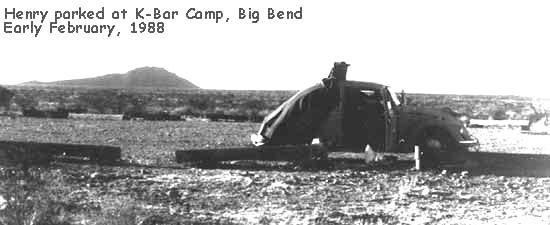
{"x": 402, "y": 112}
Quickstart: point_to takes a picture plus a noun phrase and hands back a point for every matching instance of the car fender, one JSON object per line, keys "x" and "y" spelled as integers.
{"x": 415, "y": 135}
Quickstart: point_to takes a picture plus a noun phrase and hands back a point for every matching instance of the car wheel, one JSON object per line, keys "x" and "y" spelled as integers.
{"x": 435, "y": 147}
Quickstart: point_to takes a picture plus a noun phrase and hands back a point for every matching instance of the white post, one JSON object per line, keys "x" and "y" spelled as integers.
{"x": 416, "y": 158}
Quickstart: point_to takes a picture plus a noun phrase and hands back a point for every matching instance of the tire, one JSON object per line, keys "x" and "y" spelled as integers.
{"x": 436, "y": 147}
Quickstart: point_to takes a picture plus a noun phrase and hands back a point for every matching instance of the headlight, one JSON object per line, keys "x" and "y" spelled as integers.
{"x": 464, "y": 132}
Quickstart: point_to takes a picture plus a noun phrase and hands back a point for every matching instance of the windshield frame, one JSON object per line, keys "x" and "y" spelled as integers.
{"x": 394, "y": 98}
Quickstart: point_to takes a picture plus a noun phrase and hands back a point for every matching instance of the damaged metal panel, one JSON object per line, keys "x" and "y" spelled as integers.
{"x": 310, "y": 113}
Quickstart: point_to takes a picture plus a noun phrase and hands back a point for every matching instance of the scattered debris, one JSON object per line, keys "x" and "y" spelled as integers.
{"x": 3, "y": 203}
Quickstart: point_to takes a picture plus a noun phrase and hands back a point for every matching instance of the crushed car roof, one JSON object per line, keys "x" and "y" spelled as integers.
{"x": 370, "y": 85}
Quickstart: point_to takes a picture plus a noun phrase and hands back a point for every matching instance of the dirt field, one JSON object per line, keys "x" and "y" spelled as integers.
{"x": 149, "y": 188}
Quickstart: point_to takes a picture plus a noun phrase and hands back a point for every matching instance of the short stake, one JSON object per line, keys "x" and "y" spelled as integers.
{"x": 416, "y": 158}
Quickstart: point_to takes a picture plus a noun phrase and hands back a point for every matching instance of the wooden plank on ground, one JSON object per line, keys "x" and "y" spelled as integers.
{"x": 265, "y": 153}
{"x": 38, "y": 152}
{"x": 509, "y": 160}
{"x": 268, "y": 153}
{"x": 508, "y": 163}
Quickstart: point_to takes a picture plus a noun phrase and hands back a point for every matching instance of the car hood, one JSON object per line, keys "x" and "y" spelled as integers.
{"x": 424, "y": 114}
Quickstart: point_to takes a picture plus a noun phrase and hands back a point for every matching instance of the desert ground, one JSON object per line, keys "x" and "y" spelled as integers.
{"x": 148, "y": 187}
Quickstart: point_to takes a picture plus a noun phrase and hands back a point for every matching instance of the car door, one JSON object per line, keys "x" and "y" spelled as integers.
{"x": 364, "y": 118}
{"x": 390, "y": 119}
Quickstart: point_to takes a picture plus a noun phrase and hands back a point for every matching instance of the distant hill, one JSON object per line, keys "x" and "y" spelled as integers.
{"x": 145, "y": 77}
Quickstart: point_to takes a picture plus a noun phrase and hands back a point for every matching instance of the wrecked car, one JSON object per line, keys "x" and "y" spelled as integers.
{"x": 354, "y": 114}
{"x": 347, "y": 116}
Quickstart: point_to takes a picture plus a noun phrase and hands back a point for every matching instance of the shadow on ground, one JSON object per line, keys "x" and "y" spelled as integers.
{"x": 476, "y": 163}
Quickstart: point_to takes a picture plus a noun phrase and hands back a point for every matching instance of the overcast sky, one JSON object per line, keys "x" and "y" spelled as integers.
{"x": 465, "y": 47}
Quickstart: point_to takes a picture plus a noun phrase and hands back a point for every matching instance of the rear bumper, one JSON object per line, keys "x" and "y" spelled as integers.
{"x": 469, "y": 142}
{"x": 469, "y": 145}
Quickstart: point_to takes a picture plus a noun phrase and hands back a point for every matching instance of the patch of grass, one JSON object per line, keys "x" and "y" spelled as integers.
{"x": 364, "y": 219}
{"x": 39, "y": 196}
{"x": 30, "y": 198}
{"x": 405, "y": 186}
{"x": 119, "y": 211}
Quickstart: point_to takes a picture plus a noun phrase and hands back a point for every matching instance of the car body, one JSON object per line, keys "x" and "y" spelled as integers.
{"x": 355, "y": 114}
